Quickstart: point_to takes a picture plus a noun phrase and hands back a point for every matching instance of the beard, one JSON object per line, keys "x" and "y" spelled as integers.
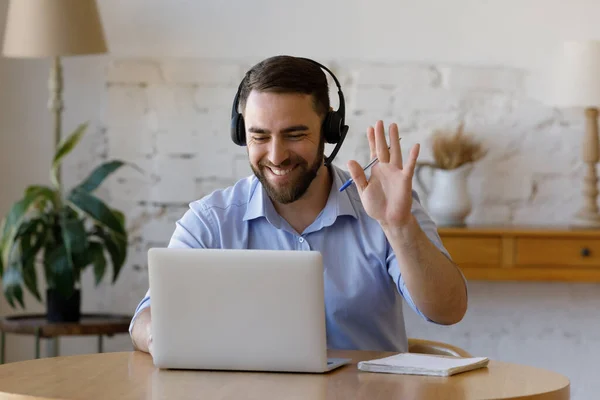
{"x": 295, "y": 188}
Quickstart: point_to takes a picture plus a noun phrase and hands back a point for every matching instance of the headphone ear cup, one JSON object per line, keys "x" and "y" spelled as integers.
{"x": 238, "y": 130}
{"x": 332, "y": 126}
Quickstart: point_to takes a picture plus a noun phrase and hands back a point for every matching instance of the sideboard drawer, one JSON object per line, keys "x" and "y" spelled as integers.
{"x": 517, "y": 253}
{"x": 474, "y": 251}
{"x": 577, "y": 252}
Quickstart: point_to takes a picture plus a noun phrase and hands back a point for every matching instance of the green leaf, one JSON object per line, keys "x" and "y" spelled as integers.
{"x": 30, "y": 227}
{"x": 16, "y": 217}
{"x": 57, "y": 265}
{"x": 12, "y": 281}
{"x": 49, "y": 194}
{"x": 97, "y": 257}
{"x": 118, "y": 244}
{"x": 81, "y": 260}
{"x": 31, "y": 281}
{"x": 18, "y": 210}
{"x": 76, "y": 244}
{"x": 120, "y": 217}
{"x": 97, "y": 210}
{"x": 48, "y": 273}
{"x": 97, "y": 176}
{"x": 67, "y": 244}
{"x": 75, "y": 235}
{"x": 31, "y": 242}
{"x": 117, "y": 249}
{"x": 65, "y": 148}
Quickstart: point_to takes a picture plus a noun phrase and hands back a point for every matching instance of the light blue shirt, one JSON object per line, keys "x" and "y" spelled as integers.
{"x": 363, "y": 284}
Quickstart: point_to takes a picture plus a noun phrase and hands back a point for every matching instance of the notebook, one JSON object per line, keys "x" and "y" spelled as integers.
{"x": 423, "y": 364}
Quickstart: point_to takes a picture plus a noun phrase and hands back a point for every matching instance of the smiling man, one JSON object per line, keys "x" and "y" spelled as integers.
{"x": 378, "y": 244}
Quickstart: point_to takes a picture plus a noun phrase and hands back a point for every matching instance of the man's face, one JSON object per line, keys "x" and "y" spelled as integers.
{"x": 285, "y": 147}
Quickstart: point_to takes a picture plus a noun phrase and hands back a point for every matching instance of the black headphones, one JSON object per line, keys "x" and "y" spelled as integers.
{"x": 333, "y": 125}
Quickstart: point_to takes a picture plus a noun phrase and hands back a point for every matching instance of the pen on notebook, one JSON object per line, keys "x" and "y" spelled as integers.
{"x": 369, "y": 165}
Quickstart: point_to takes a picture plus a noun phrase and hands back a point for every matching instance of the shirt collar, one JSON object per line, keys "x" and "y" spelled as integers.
{"x": 338, "y": 204}
{"x": 260, "y": 205}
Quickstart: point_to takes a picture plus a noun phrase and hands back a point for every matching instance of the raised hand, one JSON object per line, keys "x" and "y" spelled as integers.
{"x": 387, "y": 195}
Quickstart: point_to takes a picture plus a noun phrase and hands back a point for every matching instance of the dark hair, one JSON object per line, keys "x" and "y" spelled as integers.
{"x": 287, "y": 74}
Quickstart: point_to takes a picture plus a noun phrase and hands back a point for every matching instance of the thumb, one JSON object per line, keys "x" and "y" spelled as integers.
{"x": 358, "y": 175}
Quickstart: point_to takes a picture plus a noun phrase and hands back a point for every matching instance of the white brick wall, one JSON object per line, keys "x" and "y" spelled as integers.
{"x": 402, "y": 75}
{"x": 171, "y": 118}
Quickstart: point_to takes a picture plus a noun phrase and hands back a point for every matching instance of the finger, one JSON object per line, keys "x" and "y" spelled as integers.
{"x": 381, "y": 144}
{"x": 409, "y": 168}
{"x": 371, "y": 138}
{"x": 358, "y": 175}
{"x": 395, "y": 150}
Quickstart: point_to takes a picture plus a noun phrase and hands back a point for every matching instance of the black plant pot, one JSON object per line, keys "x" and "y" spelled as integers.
{"x": 59, "y": 309}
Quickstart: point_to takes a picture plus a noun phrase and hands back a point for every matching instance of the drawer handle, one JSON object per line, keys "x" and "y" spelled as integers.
{"x": 585, "y": 252}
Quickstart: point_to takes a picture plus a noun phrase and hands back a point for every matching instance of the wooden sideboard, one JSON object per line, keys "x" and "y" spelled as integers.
{"x": 525, "y": 253}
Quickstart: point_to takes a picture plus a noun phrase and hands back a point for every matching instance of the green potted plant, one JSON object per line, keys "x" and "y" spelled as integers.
{"x": 67, "y": 231}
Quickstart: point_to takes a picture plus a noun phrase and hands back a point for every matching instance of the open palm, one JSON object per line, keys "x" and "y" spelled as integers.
{"x": 387, "y": 195}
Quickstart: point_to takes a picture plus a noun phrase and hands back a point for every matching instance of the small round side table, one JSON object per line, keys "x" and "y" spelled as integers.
{"x": 36, "y": 324}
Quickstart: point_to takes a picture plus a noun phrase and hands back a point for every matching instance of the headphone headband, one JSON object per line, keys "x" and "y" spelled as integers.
{"x": 333, "y": 127}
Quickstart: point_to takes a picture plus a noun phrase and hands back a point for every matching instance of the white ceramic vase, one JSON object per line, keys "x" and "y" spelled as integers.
{"x": 447, "y": 195}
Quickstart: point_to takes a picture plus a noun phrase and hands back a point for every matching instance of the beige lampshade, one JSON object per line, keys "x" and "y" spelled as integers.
{"x": 48, "y": 28}
{"x": 575, "y": 75}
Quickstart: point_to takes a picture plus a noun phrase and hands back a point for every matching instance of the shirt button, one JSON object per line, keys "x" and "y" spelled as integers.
{"x": 301, "y": 239}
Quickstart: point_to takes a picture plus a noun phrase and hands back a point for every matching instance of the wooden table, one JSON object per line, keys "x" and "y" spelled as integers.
{"x": 132, "y": 375}
{"x": 37, "y": 325}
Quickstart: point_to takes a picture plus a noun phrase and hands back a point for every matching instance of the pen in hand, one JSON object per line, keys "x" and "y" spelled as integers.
{"x": 369, "y": 165}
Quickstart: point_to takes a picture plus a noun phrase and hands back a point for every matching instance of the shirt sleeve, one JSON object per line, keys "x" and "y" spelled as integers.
{"x": 430, "y": 229}
{"x": 192, "y": 230}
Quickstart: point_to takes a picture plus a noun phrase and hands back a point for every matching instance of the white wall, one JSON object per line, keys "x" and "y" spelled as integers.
{"x": 509, "y": 32}
{"x": 191, "y": 55}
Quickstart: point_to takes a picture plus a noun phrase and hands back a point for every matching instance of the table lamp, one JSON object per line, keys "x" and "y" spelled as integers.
{"x": 53, "y": 28}
{"x": 575, "y": 82}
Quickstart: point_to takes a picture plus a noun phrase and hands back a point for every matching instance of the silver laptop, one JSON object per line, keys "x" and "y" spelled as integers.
{"x": 245, "y": 310}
